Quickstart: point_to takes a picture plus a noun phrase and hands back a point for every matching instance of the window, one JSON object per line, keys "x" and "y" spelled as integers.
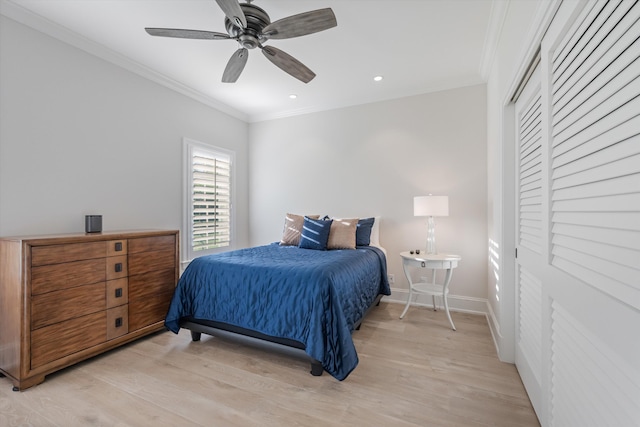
{"x": 208, "y": 199}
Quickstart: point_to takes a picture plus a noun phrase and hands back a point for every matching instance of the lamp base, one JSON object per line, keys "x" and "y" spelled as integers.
{"x": 431, "y": 236}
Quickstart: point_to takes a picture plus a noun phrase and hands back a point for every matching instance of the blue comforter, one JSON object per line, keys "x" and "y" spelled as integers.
{"x": 314, "y": 297}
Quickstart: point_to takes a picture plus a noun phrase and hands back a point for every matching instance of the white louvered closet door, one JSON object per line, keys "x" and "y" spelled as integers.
{"x": 578, "y": 232}
{"x": 596, "y": 152}
{"x": 595, "y": 219}
{"x": 529, "y": 236}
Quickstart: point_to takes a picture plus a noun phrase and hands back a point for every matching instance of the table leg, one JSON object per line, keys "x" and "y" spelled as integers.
{"x": 445, "y": 291}
{"x": 446, "y": 307}
{"x": 433, "y": 297}
{"x": 408, "y": 275}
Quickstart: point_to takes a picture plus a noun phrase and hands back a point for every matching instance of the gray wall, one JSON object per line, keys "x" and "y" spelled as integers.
{"x": 79, "y": 135}
{"x": 371, "y": 160}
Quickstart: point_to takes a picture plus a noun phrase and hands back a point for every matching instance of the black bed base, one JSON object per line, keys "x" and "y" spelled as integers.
{"x": 285, "y": 345}
{"x": 247, "y": 336}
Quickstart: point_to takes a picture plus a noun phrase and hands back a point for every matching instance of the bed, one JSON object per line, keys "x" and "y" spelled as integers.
{"x": 287, "y": 295}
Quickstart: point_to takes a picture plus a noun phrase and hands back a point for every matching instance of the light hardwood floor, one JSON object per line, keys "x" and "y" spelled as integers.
{"x": 412, "y": 372}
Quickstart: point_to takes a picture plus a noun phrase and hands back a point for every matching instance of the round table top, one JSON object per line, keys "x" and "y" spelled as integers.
{"x": 424, "y": 256}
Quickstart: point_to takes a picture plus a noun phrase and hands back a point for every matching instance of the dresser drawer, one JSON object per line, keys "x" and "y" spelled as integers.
{"x": 156, "y": 282}
{"x": 117, "y": 267}
{"x": 149, "y": 244}
{"x": 56, "y": 254}
{"x": 54, "y": 307}
{"x": 146, "y": 262}
{"x": 117, "y": 292}
{"x": 146, "y": 311}
{"x": 117, "y": 247}
{"x": 62, "y": 339}
{"x": 117, "y": 322}
{"x": 48, "y": 278}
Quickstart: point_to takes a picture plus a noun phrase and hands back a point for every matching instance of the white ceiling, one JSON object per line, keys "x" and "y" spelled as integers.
{"x": 419, "y": 46}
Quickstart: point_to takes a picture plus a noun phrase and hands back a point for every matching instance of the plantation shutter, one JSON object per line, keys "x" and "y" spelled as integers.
{"x": 211, "y": 200}
{"x": 595, "y": 153}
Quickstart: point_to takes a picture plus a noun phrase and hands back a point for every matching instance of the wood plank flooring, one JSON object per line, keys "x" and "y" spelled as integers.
{"x": 412, "y": 372}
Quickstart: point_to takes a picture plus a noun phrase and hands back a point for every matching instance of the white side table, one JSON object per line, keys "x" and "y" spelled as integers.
{"x": 433, "y": 262}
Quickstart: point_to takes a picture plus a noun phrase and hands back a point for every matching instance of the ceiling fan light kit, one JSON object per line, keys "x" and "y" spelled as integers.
{"x": 251, "y": 27}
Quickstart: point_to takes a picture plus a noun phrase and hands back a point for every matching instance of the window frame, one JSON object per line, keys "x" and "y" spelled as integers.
{"x": 190, "y": 147}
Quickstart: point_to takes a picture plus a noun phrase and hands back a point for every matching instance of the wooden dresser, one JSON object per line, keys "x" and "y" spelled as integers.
{"x": 66, "y": 298}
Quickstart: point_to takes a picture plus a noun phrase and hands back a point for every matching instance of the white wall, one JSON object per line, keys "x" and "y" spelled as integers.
{"x": 371, "y": 160}
{"x": 515, "y": 38}
{"x": 79, "y": 135}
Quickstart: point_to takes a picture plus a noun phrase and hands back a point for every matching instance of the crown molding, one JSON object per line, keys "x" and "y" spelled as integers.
{"x": 497, "y": 19}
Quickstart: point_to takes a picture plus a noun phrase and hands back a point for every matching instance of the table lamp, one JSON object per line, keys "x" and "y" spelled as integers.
{"x": 431, "y": 206}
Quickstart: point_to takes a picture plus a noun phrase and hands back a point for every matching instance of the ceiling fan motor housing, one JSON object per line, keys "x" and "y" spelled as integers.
{"x": 257, "y": 19}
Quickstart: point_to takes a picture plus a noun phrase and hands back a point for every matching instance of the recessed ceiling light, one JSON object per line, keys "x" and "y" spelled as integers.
{"x": 293, "y": 96}
{"x": 378, "y": 78}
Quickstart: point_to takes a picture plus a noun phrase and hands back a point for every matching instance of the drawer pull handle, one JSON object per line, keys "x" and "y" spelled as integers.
{"x": 119, "y": 293}
{"x": 118, "y": 322}
{"x": 118, "y": 267}
{"x": 423, "y": 264}
{"x": 118, "y": 246}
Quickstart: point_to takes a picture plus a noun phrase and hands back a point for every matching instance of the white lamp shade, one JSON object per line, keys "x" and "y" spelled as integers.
{"x": 431, "y": 206}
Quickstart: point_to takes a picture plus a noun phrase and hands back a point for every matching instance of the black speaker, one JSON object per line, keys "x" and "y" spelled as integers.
{"x": 93, "y": 223}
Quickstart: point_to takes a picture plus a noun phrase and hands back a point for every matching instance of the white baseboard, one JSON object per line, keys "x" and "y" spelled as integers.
{"x": 458, "y": 303}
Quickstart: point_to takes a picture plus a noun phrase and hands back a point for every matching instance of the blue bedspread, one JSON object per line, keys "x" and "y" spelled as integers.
{"x": 314, "y": 297}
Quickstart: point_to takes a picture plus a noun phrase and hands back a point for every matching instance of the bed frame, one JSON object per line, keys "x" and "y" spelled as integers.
{"x": 284, "y": 345}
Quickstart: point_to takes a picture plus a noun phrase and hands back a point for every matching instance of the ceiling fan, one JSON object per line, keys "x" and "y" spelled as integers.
{"x": 251, "y": 26}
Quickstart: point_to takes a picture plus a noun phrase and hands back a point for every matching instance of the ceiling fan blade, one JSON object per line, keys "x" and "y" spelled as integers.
{"x": 301, "y": 24}
{"x": 187, "y": 34}
{"x": 234, "y": 12}
{"x": 235, "y": 66}
{"x": 288, "y": 64}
